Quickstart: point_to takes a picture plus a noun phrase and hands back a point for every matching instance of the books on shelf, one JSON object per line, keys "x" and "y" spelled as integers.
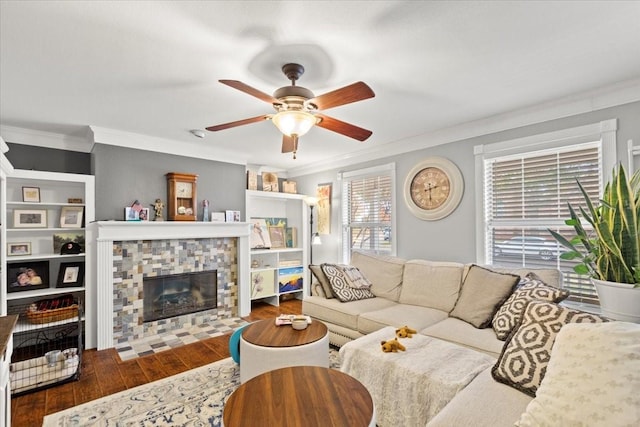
{"x": 289, "y": 263}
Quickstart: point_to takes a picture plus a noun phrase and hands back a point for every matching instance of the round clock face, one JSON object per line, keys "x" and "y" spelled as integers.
{"x": 433, "y": 188}
{"x": 430, "y": 188}
{"x": 184, "y": 189}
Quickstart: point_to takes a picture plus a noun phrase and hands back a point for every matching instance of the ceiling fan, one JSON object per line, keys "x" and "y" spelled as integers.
{"x": 297, "y": 109}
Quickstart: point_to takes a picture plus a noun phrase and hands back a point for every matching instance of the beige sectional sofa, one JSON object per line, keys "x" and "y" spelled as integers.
{"x": 427, "y": 296}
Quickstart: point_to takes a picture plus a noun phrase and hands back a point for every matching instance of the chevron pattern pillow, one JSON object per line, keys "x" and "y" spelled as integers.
{"x": 340, "y": 277}
{"x": 525, "y": 356}
{"x": 531, "y": 288}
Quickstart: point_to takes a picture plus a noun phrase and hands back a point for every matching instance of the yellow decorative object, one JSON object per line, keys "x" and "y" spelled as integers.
{"x": 392, "y": 346}
{"x": 405, "y": 332}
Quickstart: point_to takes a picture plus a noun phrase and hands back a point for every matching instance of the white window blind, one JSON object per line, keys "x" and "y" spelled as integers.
{"x": 368, "y": 210}
{"x": 526, "y": 194}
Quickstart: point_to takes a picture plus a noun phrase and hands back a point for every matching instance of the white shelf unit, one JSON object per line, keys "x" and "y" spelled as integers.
{"x": 269, "y": 267}
{"x": 55, "y": 190}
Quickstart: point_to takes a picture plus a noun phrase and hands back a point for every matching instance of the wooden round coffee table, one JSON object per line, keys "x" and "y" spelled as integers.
{"x": 300, "y": 396}
{"x": 265, "y": 346}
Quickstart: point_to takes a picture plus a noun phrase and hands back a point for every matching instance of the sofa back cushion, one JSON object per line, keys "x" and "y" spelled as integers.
{"x": 431, "y": 284}
{"x": 383, "y": 271}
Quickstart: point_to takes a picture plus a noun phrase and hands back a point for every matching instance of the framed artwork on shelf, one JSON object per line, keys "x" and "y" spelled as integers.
{"x": 143, "y": 215}
{"x": 27, "y": 276}
{"x": 270, "y": 182}
{"x": 232, "y": 216}
{"x": 71, "y": 216}
{"x": 70, "y": 274}
{"x": 259, "y": 234}
{"x": 61, "y": 240}
{"x": 31, "y": 194}
{"x": 30, "y": 218}
{"x": 291, "y": 234}
{"x": 218, "y": 217}
{"x": 17, "y": 249}
{"x": 290, "y": 279}
{"x": 277, "y": 236}
{"x": 130, "y": 214}
{"x": 289, "y": 187}
{"x": 252, "y": 180}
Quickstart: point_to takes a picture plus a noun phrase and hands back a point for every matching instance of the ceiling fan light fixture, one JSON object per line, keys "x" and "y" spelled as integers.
{"x": 294, "y": 122}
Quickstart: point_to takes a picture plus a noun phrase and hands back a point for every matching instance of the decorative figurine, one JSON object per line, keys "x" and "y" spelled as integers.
{"x": 205, "y": 210}
{"x": 158, "y": 206}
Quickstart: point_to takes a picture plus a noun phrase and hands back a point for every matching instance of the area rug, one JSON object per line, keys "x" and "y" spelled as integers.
{"x": 192, "y": 398}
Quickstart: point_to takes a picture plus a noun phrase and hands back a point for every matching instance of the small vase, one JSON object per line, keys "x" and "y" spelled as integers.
{"x": 618, "y": 301}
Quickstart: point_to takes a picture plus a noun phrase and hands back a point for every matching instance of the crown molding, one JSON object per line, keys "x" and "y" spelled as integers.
{"x": 40, "y": 138}
{"x": 586, "y": 102}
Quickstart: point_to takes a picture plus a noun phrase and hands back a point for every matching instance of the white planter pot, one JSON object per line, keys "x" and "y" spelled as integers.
{"x": 619, "y": 301}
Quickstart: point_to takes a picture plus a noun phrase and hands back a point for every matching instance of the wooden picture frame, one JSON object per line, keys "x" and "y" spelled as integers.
{"x": 30, "y": 218}
{"x": 71, "y": 216}
{"x": 31, "y": 194}
{"x": 71, "y": 274}
{"x": 289, "y": 187}
{"x": 18, "y": 248}
{"x": 26, "y": 276}
{"x": 278, "y": 237}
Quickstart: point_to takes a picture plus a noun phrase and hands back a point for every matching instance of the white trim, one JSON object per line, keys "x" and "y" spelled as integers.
{"x": 632, "y": 151}
{"x": 604, "y": 131}
{"x": 46, "y": 139}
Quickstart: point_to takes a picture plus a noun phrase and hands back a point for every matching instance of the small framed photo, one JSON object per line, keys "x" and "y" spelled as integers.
{"x": 70, "y": 274}
{"x": 218, "y": 217}
{"x": 130, "y": 214}
{"x": 289, "y": 187}
{"x": 71, "y": 216}
{"x": 278, "y": 237}
{"x": 143, "y": 215}
{"x": 31, "y": 194}
{"x": 30, "y": 218}
{"x": 17, "y": 249}
{"x": 27, "y": 276}
{"x": 232, "y": 216}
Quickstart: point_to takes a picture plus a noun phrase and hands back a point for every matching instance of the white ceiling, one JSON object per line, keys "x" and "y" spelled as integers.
{"x": 151, "y": 68}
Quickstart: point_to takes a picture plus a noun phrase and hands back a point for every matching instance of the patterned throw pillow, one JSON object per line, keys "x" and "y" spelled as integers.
{"x": 525, "y": 355}
{"x": 531, "y": 288}
{"x": 341, "y": 283}
{"x": 322, "y": 280}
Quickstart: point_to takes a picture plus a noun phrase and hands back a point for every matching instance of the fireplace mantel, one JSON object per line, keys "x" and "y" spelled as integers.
{"x": 99, "y": 321}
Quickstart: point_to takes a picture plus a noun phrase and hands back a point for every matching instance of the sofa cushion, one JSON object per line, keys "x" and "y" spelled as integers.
{"x": 483, "y": 402}
{"x": 340, "y": 278}
{"x": 531, "y": 287}
{"x": 317, "y": 272}
{"x": 398, "y": 315}
{"x": 384, "y": 272}
{"x": 592, "y": 378}
{"x": 339, "y": 313}
{"x": 431, "y": 284}
{"x": 483, "y": 292}
{"x": 525, "y": 356}
{"x": 464, "y": 334}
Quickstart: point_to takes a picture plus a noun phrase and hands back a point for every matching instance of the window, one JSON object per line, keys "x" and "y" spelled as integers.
{"x": 368, "y": 206}
{"x": 526, "y": 185}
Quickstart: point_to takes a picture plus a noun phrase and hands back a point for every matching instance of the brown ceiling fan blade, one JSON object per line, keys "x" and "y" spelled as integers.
{"x": 238, "y": 123}
{"x": 346, "y": 95}
{"x": 288, "y": 144}
{"x": 343, "y": 128}
{"x": 251, "y": 91}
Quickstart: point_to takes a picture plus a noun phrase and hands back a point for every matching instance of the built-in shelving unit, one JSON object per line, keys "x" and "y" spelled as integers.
{"x": 279, "y": 272}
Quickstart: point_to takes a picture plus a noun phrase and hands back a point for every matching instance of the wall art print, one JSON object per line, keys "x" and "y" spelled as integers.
{"x": 323, "y": 193}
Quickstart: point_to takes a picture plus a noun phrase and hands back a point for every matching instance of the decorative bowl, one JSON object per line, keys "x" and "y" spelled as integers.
{"x": 299, "y": 324}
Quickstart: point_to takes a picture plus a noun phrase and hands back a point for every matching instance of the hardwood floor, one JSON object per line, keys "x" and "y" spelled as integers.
{"x": 103, "y": 373}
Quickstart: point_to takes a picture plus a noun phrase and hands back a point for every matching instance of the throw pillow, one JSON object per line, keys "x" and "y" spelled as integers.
{"x": 525, "y": 356}
{"x": 316, "y": 270}
{"x": 483, "y": 291}
{"x": 592, "y": 379}
{"x": 531, "y": 287}
{"x": 340, "y": 284}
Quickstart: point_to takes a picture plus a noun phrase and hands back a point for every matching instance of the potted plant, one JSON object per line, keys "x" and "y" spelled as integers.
{"x": 610, "y": 254}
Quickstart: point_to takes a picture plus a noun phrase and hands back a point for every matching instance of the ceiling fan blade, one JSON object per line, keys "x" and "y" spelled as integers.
{"x": 251, "y": 91}
{"x": 238, "y": 123}
{"x": 346, "y": 95}
{"x": 288, "y": 144}
{"x": 343, "y": 128}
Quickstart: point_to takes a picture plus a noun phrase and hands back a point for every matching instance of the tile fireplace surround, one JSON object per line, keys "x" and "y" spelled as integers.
{"x": 125, "y": 252}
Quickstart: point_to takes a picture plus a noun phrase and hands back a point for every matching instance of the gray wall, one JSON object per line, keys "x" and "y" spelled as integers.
{"x": 29, "y": 157}
{"x": 453, "y": 238}
{"x": 126, "y": 174}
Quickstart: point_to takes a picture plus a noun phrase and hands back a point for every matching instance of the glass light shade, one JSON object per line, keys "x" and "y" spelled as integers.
{"x": 294, "y": 122}
{"x": 315, "y": 240}
{"x": 311, "y": 200}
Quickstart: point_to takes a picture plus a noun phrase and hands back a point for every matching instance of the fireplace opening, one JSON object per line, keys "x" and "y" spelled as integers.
{"x": 177, "y": 294}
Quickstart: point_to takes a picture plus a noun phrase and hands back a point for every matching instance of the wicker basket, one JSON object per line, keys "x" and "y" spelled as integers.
{"x": 55, "y": 315}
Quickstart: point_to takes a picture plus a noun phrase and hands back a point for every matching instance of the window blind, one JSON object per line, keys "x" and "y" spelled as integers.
{"x": 526, "y": 194}
{"x": 367, "y": 211}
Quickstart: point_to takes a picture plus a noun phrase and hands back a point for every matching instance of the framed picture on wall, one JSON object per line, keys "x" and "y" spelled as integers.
{"x": 323, "y": 193}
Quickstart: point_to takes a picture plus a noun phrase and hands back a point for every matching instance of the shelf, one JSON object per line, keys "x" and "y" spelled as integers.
{"x": 14, "y": 296}
{"x": 275, "y": 250}
{"x": 43, "y": 204}
{"x": 36, "y": 229}
{"x": 12, "y": 259}
{"x": 25, "y": 326}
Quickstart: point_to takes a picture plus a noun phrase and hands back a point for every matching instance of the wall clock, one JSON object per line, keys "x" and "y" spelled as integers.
{"x": 182, "y": 192}
{"x": 433, "y": 188}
